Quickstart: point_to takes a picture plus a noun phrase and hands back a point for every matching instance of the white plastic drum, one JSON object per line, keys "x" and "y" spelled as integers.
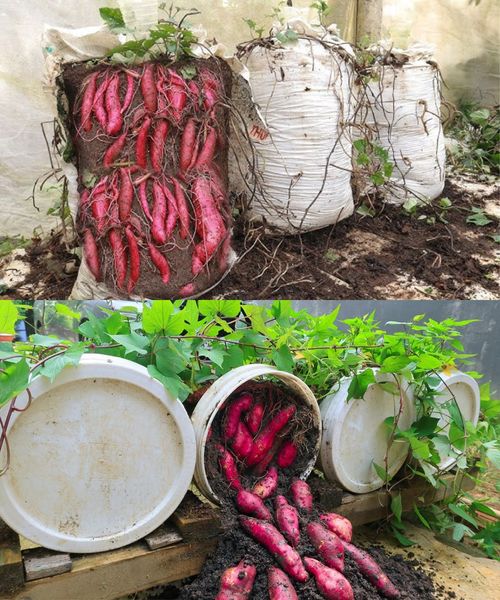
{"x": 355, "y": 436}
{"x": 212, "y": 400}
{"x": 102, "y": 457}
{"x": 465, "y": 390}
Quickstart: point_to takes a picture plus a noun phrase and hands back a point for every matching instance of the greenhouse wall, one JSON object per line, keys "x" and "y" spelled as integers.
{"x": 467, "y": 55}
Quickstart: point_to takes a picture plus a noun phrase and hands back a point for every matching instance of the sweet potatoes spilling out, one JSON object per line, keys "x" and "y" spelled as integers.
{"x": 371, "y": 571}
{"x": 250, "y": 504}
{"x": 331, "y": 584}
{"x": 301, "y": 495}
{"x": 279, "y": 585}
{"x": 286, "y": 556}
{"x": 328, "y": 546}
{"x": 287, "y": 519}
{"x": 237, "y": 582}
{"x": 338, "y": 524}
{"x": 266, "y": 486}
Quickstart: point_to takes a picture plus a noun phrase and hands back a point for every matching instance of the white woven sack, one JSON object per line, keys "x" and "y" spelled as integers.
{"x": 301, "y": 177}
{"x": 404, "y": 107}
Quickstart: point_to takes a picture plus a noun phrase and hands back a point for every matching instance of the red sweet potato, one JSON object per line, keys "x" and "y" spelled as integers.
{"x": 141, "y": 145}
{"x": 98, "y": 106}
{"x": 328, "y": 546}
{"x": 160, "y": 262}
{"x": 286, "y": 556}
{"x": 266, "y": 438}
{"x": 158, "y": 231}
{"x": 99, "y": 207}
{"x": 338, "y": 524}
{"x": 176, "y": 94}
{"x": 171, "y": 210}
{"x": 261, "y": 467}
{"x": 233, "y": 414}
{"x": 279, "y": 585}
{"x": 301, "y": 495}
{"x": 242, "y": 441}
{"x": 207, "y": 153}
{"x": 266, "y": 486}
{"x": 237, "y": 582}
{"x": 119, "y": 257}
{"x": 113, "y": 108}
{"x": 91, "y": 254}
{"x": 182, "y": 208}
{"x": 370, "y": 569}
{"x": 211, "y": 87}
{"x": 331, "y": 584}
{"x": 287, "y": 518}
{"x": 143, "y": 199}
{"x": 129, "y": 94}
{"x": 135, "y": 259}
{"x": 194, "y": 91}
{"x": 148, "y": 88}
{"x": 286, "y": 455}
{"x": 187, "y": 145}
{"x": 255, "y": 416}
{"x": 187, "y": 290}
{"x": 228, "y": 466}
{"x": 158, "y": 144}
{"x": 88, "y": 101}
{"x": 114, "y": 151}
{"x": 250, "y": 504}
{"x": 126, "y": 196}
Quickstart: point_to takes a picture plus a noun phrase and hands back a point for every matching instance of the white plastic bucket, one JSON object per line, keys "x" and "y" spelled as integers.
{"x": 355, "y": 436}
{"x": 212, "y": 400}
{"x": 465, "y": 390}
{"x": 102, "y": 457}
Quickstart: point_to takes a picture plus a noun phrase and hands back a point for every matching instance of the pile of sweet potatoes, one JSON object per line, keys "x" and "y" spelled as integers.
{"x": 259, "y": 444}
{"x": 151, "y": 148}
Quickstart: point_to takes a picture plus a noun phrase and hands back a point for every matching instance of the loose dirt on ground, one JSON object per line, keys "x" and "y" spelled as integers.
{"x": 392, "y": 255}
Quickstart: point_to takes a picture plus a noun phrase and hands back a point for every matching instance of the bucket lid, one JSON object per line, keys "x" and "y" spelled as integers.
{"x": 101, "y": 458}
{"x": 464, "y": 390}
{"x": 355, "y": 435}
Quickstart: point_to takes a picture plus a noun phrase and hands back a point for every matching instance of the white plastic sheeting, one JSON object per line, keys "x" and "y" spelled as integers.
{"x": 24, "y": 104}
{"x": 402, "y": 105}
{"x": 301, "y": 176}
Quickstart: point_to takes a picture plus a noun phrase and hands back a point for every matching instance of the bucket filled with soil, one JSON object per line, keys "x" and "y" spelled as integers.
{"x": 257, "y": 443}
{"x": 248, "y": 429}
{"x": 150, "y": 145}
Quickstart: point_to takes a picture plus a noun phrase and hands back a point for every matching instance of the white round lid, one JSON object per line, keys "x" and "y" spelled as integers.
{"x": 355, "y": 435}
{"x": 462, "y": 388}
{"x": 101, "y": 458}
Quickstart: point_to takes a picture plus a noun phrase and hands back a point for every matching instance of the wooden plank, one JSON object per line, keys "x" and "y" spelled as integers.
{"x": 27, "y": 544}
{"x": 111, "y": 575}
{"x": 196, "y": 520}
{"x": 11, "y": 561}
{"x": 165, "y": 535}
{"x": 366, "y": 508}
{"x": 46, "y": 564}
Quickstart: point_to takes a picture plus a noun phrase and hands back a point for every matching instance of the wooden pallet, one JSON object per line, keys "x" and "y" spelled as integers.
{"x": 174, "y": 551}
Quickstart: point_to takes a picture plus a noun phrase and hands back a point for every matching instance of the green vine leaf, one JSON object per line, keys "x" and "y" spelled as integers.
{"x": 112, "y": 17}
{"x": 14, "y": 379}
{"x": 53, "y": 366}
{"x": 132, "y": 342}
{"x": 8, "y": 316}
{"x": 359, "y": 384}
